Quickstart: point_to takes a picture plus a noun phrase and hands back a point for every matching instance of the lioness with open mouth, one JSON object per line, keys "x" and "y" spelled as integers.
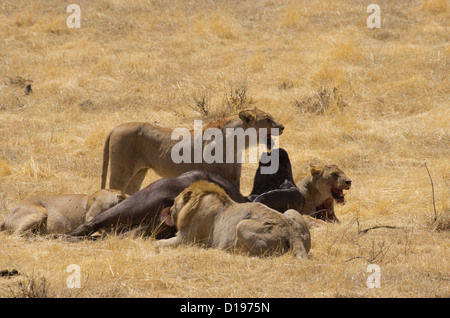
{"x": 320, "y": 189}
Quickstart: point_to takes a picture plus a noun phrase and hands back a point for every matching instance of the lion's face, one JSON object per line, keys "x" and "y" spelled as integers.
{"x": 331, "y": 181}
{"x": 255, "y": 118}
{"x": 180, "y": 201}
{"x": 105, "y": 199}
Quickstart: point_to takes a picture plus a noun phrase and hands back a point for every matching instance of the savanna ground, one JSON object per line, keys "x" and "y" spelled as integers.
{"x": 373, "y": 101}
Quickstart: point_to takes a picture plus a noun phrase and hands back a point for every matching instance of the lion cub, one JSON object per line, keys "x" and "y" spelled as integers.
{"x": 205, "y": 214}
{"x": 59, "y": 214}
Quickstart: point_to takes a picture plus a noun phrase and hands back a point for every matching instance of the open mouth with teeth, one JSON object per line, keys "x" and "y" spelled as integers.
{"x": 338, "y": 195}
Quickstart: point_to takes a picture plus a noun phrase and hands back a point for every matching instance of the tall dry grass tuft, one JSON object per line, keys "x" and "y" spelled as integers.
{"x": 29, "y": 287}
{"x": 325, "y": 101}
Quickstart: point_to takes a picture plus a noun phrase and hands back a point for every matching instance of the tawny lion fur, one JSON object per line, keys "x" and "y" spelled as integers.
{"x": 204, "y": 214}
{"x": 133, "y": 148}
{"x": 59, "y": 214}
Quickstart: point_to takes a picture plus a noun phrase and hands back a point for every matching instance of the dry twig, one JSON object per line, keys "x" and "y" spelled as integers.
{"x": 378, "y": 227}
{"x": 432, "y": 189}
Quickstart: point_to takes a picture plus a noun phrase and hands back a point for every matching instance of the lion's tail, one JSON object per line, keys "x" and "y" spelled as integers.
{"x": 2, "y": 226}
{"x": 105, "y": 161}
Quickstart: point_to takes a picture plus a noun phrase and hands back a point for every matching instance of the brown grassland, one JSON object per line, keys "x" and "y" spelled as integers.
{"x": 373, "y": 101}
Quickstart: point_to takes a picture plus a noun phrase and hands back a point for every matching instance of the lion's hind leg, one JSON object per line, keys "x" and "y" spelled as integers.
{"x": 260, "y": 238}
{"x": 28, "y": 218}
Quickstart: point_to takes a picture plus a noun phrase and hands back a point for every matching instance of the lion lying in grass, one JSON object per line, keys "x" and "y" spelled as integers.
{"x": 59, "y": 214}
{"x": 205, "y": 214}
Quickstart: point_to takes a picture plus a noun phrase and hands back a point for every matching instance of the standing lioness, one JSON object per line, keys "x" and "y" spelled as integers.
{"x": 204, "y": 214}
{"x": 59, "y": 214}
{"x": 133, "y": 148}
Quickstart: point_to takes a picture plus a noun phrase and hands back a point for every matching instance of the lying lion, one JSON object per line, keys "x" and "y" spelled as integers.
{"x": 59, "y": 214}
{"x": 205, "y": 214}
{"x": 320, "y": 189}
{"x": 142, "y": 210}
{"x": 133, "y": 148}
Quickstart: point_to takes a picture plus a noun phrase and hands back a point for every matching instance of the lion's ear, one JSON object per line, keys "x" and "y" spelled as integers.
{"x": 247, "y": 116}
{"x": 122, "y": 196}
{"x": 187, "y": 196}
{"x": 315, "y": 171}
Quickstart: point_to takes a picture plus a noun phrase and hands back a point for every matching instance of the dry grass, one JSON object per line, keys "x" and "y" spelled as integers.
{"x": 142, "y": 60}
